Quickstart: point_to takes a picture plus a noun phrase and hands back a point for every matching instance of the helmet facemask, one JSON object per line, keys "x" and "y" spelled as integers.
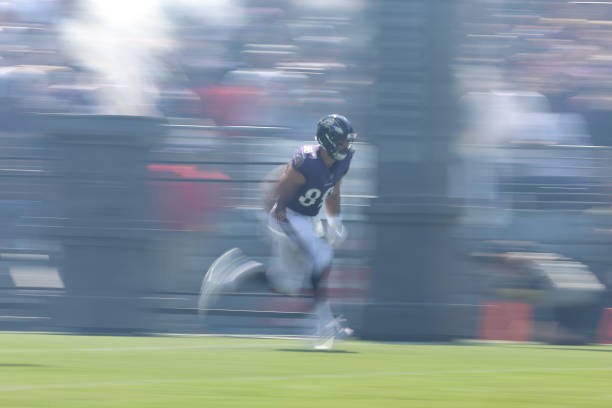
{"x": 336, "y": 136}
{"x": 338, "y": 153}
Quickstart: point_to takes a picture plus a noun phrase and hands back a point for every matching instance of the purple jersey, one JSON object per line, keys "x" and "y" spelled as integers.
{"x": 320, "y": 180}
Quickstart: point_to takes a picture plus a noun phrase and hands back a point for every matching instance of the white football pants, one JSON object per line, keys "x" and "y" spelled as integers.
{"x": 300, "y": 252}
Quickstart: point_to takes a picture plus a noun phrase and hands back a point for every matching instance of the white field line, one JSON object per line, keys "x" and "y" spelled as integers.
{"x": 272, "y": 379}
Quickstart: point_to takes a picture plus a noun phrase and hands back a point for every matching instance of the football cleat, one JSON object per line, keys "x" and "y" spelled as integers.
{"x": 330, "y": 332}
{"x": 223, "y": 272}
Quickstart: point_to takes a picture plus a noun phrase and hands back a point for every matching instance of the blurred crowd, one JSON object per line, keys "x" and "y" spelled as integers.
{"x": 285, "y": 63}
{"x": 559, "y": 49}
{"x": 241, "y": 62}
{"x": 530, "y": 76}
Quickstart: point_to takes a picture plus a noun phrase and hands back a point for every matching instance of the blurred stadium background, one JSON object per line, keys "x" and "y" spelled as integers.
{"x": 136, "y": 139}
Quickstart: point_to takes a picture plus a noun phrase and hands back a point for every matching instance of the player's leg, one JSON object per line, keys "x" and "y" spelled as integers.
{"x": 224, "y": 272}
{"x": 289, "y": 269}
{"x": 234, "y": 269}
{"x": 318, "y": 255}
{"x": 328, "y": 328}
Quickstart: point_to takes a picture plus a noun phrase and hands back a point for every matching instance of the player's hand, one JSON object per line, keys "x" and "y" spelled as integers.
{"x": 280, "y": 214}
{"x": 336, "y": 232}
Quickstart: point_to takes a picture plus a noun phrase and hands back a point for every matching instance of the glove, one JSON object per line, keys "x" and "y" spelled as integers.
{"x": 274, "y": 222}
{"x": 336, "y": 233}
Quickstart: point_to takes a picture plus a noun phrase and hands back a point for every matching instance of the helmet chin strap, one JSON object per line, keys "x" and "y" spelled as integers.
{"x": 339, "y": 156}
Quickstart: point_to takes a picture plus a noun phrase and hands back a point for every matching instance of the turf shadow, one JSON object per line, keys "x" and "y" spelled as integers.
{"x": 298, "y": 350}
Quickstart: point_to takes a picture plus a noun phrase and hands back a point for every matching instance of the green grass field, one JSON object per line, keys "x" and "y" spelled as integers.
{"x": 39, "y": 370}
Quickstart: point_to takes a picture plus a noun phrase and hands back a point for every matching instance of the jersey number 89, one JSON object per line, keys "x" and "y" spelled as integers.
{"x": 312, "y": 195}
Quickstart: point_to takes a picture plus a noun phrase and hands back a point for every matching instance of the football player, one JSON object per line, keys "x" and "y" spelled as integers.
{"x": 303, "y": 251}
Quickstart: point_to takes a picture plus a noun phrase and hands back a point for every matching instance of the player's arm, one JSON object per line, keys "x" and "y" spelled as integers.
{"x": 336, "y": 233}
{"x": 332, "y": 202}
{"x": 286, "y": 188}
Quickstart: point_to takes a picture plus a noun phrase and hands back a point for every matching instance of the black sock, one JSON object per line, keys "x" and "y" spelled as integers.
{"x": 319, "y": 290}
